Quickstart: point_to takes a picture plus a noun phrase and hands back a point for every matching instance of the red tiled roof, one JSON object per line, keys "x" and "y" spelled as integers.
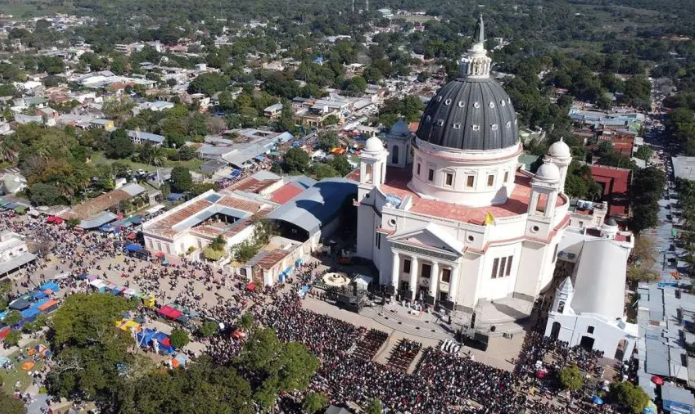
{"x": 272, "y": 258}
{"x": 396, "y": 184}
{"x": 285, "y": 193}
{"x": 615, "y": 182}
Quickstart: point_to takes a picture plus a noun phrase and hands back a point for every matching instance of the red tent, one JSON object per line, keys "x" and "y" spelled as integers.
{"x": 657, "y": 380}
{"x": 51, "y": 219}
{"x": 58, "y": 220}
{"x": 166, "y": 341}
{"x": 4, "y": 331}
{"x": 159, "y": 254}
{"x": 131, "y": 236}
{"x": 169, "y": 312}
{"x": 251, "y": 286}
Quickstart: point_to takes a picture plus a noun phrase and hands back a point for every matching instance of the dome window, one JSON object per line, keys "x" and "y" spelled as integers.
{"x": 440, "y": 122}
{"x": 515, "y": 122}
{"x": 461, "y": 104}
{"x": 447, "y": 102}
{"x": 457, "y": 125}
{"x": 502, "y": 103}
{"x": 476, "y": 105}
{"x": 509, "y": 101}
{"x": 476, "y": 127}
{"x": 509, "y": 124}
{"x": 439, "y": 98}
{"x": 492, "y": 104}
{"x": 494, "y": 127}
{"x": 428, "y": 119}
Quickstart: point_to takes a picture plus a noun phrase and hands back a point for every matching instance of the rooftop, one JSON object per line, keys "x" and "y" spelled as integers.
{"x": 195, "y": 213}
{"x": 615, "y": 182}
{"x": 684, "y": 167}
{"x": 397, "y": 185}
{"x": 105, "y": 201}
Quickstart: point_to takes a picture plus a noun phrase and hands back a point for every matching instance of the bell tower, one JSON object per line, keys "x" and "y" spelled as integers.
{"x": 563, "y": 297}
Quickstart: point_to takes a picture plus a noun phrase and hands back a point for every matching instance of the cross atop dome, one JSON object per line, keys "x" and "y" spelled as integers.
{"x": 476, "y": 63}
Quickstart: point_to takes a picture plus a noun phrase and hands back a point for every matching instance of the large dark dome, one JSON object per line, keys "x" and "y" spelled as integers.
{"x": 470, "y": 113}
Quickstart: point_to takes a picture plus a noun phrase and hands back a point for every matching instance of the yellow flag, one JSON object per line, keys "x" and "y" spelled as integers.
{"x": 489, "y": 219}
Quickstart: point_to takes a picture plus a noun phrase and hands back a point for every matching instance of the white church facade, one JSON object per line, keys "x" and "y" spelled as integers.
{"x": 458, "y": 224}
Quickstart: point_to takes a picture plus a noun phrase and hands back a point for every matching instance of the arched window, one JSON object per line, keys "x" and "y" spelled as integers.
{"x": 560, "y": 306}
{"x": 394, "y": 154}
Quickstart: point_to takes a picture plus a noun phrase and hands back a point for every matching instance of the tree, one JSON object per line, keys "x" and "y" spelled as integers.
{"x": 629, "y": 395}
{"x": 295, "y": 161}
{"x": 119, "y": 146}
{"x": 209, "y": 329}
{"x": 322, "y": 170}
{"x": 208, "y": 84}
{"x": 202, "y": 387}
{"x": 571, "y": 378}
{"x": 277, "y": 366}
{"x": 213, "y": 254}
{"x": 374, "y": 407}
{"x": 648, "y": 185}
{"x": 314, "y": 403}
{"x": 12, "y": 318}
{"x": 605, "y": 148}
{"x": 187, "y": 153}
{"x": 328, "y": 140}
{"x": 286, "y": 121}
{"x": 88, "y": 347}
{"x": 45, "y": 195}
{"x": 644, "y": 153}
{"x": 341, "y": 164}
{"x": 181, "y": 180}
{"x": 179, "y": 338}
{"x": 11, "y": 405}
{"x": 246, "y": 321}
{"x": 118, "y": 108}
{"x": 12, "y": 338}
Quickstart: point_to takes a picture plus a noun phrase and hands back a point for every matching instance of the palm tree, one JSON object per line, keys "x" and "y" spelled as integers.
{"x": 158, "y": 155}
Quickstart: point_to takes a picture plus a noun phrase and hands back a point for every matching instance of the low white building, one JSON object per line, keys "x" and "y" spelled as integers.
{"x": 192, "y": 226}
{"x": 589, "y": 305}
{"x": 14, "y": 252}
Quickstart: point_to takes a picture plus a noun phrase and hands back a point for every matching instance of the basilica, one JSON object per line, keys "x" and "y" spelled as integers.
{"x": 448, "y": 216}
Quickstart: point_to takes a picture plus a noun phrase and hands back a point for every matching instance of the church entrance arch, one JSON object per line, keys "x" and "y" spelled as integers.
{"x": 555, "y": 330}
{"x": 587, "y": 343}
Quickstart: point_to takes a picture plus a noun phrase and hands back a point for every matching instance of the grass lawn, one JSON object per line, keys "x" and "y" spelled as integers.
{"x": 193, "y": 165}
{"x": 9, "y": 378}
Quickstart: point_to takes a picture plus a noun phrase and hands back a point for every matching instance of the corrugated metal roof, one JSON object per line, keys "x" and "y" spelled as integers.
{"x": 316, "y": 206}
{"x": 21, "y": 260}
{"x": 680, "y": 395}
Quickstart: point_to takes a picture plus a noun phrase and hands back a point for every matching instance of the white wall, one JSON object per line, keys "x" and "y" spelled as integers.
{"x": 606, "y": 336}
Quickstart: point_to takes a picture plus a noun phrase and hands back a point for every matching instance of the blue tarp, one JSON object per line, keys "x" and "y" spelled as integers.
{"x": 134, "y": 248}
{"x": 30, "y": 313}
{"x": 38, "y": 294}
{"x": 174, "y": 196}
{"x": 53, "y": 286}
{"x": 260, "y": 158}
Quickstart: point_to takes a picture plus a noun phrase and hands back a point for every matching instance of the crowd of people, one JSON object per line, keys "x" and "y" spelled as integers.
{"x": 441, "y": 383}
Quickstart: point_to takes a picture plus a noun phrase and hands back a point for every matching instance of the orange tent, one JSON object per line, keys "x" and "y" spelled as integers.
{"x": 27, "y": 366}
